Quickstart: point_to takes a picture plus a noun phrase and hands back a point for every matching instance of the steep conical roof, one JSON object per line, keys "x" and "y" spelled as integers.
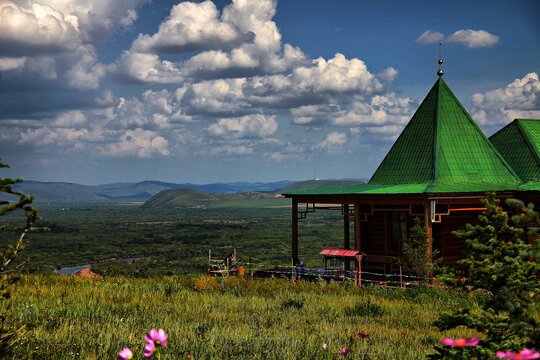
{"x": 442, "y": 146}
{"x": 519, "y": 144}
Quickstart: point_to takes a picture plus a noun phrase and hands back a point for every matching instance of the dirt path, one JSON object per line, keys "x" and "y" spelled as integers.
{"x": 87, "y": 273}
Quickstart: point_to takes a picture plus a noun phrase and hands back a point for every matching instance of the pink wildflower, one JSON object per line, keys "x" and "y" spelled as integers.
{"x": 472, "y": 341}
{"x": 125, "y": 354}
{"x": 158, "y": 337}
{"x": 344, "y": 352}
{"x": 324, "y": 346}
{"x": 149, "y": 348}
{"x": 351, "y": 339}
{"x": 362, "y": 335}
{"x": 524, "y": 354}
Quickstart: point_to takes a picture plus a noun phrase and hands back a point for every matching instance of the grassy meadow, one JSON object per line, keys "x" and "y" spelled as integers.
{"x": 232, "y": 318}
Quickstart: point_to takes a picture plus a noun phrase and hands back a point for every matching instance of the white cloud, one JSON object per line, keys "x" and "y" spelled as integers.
{"x": 380, "y": 110}
{"x": 147, "y": 68}
{"x": 333, "y": 140}
{"x": 519, "y": 99}
{"x": 242, "y": 41}
{"x": 97, "y": 20}
{"x": 470, "y": 38}
{"x": 336, "y": 75}
{"x": 223, "y": 96}
{"x": 12, "y": 63}
{"x": 154, "y": 111}
{"x": 86, "y": 71}
{"x": 237, "y": 150}
{"x": 138, "y": 142}
{"x": 430, "y": 37}
{"x": 70, "y": 119}
{"x": 59, "y": 37}
{"x": 249, "y": 126}
{"x": 35, "y": 29}
{"x": 60, "y": 137}
{"x": 474, "y": 38}
{"x": 388, "y": 74}
{"x": 387, "y": 130}
{"x": 191, "y": 26}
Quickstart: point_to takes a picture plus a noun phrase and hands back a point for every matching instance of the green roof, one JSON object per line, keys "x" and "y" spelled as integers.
{"x": 442, "y": 144}
{"x": 373, "y": 189}
{"x": 519, "y": 144}
{"x": 440, "y": 150}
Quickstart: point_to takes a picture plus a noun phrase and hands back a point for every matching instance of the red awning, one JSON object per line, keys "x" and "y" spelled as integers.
{"x": 340, "y": 252}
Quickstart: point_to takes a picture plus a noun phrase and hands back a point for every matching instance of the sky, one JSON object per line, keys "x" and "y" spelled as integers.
{"x": 102, "y": 91}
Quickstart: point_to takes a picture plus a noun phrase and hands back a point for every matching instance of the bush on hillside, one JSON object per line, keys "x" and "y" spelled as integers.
{"x": 498, "y": 262}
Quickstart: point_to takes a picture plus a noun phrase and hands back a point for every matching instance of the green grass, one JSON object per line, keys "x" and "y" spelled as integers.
{"x": 224, "y": 318}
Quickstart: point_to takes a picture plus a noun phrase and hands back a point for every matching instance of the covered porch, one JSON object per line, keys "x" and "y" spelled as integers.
{"x": 381, "y": 223}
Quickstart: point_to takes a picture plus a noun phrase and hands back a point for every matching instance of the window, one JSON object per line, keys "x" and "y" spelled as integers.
{"x": 398, "y": 230}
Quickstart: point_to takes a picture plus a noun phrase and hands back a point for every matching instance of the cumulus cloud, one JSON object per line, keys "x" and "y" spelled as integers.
{"x": 249, "y": 126}
{"x": 380, "y": 110}
{"x": 155, "y": 110}
{"x": 389, "y": 74}
{"x": 140, "y": 143}
{"x": 333, "y": 140}
{"x": 474, "y": 38}
{"x": 57, "y": 39}
{"x": 519, "y": 99}
{"x": 60, "y": 137}
{"x": 470, "y": 38}
{"x": 36, "y": 29}
{"x": 70, "y": 119}
{"x": 243, "y": 40}
{"x": 12, "y": 63}
{"x": 190, "y": 27}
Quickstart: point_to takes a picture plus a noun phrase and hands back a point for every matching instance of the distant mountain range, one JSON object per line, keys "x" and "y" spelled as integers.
{"x": 144, "y": 190}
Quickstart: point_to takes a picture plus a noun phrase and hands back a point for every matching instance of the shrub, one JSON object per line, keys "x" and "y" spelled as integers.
{"x": 498, "y": 262}
{"x": 418, "y": 259}
{"x": 9, "y": 253}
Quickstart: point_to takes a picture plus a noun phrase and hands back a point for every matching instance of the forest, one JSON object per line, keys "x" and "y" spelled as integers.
{"x": 176, "y": 240}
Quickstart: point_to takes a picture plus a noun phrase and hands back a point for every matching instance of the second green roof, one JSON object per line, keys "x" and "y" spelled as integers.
{"x": 519, "y": 143}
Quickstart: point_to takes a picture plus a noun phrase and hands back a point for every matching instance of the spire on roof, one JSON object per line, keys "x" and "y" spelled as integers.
{"x": 440, "y": 72}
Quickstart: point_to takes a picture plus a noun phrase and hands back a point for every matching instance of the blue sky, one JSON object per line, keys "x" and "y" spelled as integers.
{"x": 249, "y": 90}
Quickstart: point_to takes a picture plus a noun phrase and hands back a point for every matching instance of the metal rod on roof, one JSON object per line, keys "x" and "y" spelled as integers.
{"x": 440, "y": 72}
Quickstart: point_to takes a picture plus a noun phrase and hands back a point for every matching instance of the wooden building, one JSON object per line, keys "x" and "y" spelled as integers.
{"x": 438, "y": 169}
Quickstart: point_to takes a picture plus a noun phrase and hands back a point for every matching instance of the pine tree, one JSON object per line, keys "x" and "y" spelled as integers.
{"x": 418, "y": 259}
{"x": 498, "y": 263}
{"x": 8, "y": 272}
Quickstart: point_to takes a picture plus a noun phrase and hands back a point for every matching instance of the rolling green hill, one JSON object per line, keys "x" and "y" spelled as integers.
{"x": 189, "y": 198}
{"x": 181, "y": 198}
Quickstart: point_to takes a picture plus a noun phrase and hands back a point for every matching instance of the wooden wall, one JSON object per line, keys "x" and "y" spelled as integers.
{"x": 450, "y": 246}
{"x": 373, "y": 234}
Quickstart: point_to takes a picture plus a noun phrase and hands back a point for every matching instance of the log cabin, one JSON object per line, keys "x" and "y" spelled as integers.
{"x": 438, "y": 170}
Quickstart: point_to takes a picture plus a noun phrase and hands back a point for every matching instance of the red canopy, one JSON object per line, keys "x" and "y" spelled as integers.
{"x": 340, "y": 252}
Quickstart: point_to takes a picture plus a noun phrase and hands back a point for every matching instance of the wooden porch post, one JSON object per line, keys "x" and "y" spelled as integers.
{"x": 428, "y": 225}
{"x": 346, "y": 234}
{"x": 346, "y": 231}
{"x": 294, "y": 228}
{"x": 357, "y": 227}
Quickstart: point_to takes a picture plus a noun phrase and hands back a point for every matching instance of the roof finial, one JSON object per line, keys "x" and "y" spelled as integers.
{"x": 440, "y": 72}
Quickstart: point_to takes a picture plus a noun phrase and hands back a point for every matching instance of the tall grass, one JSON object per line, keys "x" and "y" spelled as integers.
{"x": 230, "y": 318}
